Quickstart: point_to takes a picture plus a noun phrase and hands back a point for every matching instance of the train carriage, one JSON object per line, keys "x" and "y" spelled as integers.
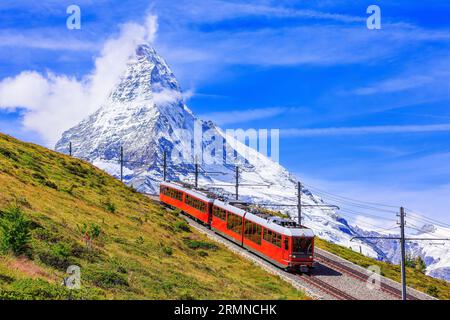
{"x": 281, "y": 245}
{"x": 191, "y": 202}
{"x": 228, "y": 221}
{"x": 278, "y": 240}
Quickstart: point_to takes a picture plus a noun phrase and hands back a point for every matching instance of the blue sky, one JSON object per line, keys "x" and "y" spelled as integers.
{"x": 363, "y": 113}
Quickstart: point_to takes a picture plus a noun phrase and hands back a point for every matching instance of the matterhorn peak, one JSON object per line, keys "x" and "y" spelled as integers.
{"x": 146, "y": 74}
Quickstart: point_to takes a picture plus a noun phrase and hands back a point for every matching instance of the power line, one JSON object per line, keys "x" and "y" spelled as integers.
{"x": 368, "y": 215}
{"x": 352, "y": 204}
{"x": 427, "y": 220}
{"x": 352, "y": 200}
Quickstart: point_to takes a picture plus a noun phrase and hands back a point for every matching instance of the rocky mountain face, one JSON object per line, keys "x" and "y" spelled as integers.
{"x": 145, "y": 114}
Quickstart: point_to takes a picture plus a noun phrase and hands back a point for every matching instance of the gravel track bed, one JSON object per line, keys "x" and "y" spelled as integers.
{"x": 415, "y": 293}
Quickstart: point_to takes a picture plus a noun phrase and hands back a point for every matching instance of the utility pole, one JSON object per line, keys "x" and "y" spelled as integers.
{"x": 403, "y": 252}
{"x": 121, "y": 164}
{"x": 237, "y": 182}
{"x": 196, "y": 175}
{"x": 299, "y": 206}
{"x": 165, "y": 166}
{"x": 70, "y": 148}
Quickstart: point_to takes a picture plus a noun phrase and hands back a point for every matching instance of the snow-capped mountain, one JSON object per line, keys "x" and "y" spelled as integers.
{"x": 146, "y": 115}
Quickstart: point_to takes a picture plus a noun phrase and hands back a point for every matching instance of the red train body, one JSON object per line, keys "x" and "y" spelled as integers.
{"x": 278, "y": 240}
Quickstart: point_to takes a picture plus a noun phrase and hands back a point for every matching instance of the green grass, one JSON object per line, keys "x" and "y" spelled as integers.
{"x": 415, "y": 279}
{"x": 141, "y": 251}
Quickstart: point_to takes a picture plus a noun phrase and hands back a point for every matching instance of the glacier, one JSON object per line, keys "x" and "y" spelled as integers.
{"x": 145, "y": 114}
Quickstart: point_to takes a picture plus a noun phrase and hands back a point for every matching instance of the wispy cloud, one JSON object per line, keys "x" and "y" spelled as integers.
{"x": 340, "y": 131}
{"x": 394, "y": 85}
{"x": 240, "y": 116}
{"x": 45, "y": 39}
{"x": 216, "y": 10}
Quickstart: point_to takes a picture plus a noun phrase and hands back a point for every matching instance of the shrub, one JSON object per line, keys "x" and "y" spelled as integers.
{"x": 110, "y": 206}
{"x": 38, "y": 289}
{"x": 182, "y": 226}
{"x": 14, "y": 231}
{"x": 203, "y": 254}
{"x": 22, "y": 202}
{"x": 196, "y": 244}
{"x": 50, "y": 184}
{"x": 108, "y": 279}
{"x": 45, "y": 235}
{"x": 421, "y": 265}
{"x": 71, "y": 189}
{"x": 433, "y": 291}
{"x": 416, "y": 263}
{"x": 140, "y": 240}
{"x": 9, "y": 154}
{"x": 167, "y": 250}
{"x": 62, "y": 249}
{"x": 58, "y": 256}
{"x": 93, "y": 230}
{"x": 29, "y": 289}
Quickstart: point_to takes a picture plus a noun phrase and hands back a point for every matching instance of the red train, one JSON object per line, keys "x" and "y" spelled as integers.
{"x": 278, "y": 240}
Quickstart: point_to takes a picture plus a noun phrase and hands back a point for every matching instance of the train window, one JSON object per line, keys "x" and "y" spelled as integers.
{"x": 234, "y": 223}
{"x": 277, "y": 240}
{"x": 272, "y": 237}
{"x": 286, "y": 243}
{"x": 220, "y": 213}
{"x": 268, "y": 235}
{"x": 195, "y": 203}
{"x": 172, "y": 193}
{"x": 302, "y": 245}
{"x": 252, "y": 232}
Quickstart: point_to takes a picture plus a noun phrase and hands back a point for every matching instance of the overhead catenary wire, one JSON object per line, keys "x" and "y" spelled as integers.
{"x": 352, "y": 203}
{"x": 352, "y": 200}
{"x": 422, "y": 218}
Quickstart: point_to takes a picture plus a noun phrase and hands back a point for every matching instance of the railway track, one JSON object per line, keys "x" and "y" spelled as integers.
{"x": 359, "y": 275}
{"x": 326, "y": 287}
{"x": 329, "y": 289}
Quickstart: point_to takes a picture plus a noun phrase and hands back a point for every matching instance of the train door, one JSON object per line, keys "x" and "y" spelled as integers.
{"x": 285, "y": 248}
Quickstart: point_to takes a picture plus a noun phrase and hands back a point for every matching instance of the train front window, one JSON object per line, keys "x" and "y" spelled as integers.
{"x": 302, "y": 245}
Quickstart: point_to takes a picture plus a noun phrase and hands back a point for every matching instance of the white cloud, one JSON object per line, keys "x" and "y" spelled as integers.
{"x": 166, "y": 96}
{"x": 394, "y": 85}
{"x": 216, "y": 10}
{"x": 53, "y": 103}
{"x": 51, "y": 41}
{"x": 339, "y": 131}
{"x": 239, "y": 116}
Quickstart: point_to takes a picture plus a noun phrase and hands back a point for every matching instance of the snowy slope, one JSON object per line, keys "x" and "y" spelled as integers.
{"x": 144, "y": 113}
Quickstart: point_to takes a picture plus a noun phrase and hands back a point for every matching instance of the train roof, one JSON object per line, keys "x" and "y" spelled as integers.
{"x": 191, "y": 192}
{"x": 271, "y": 222}
{"x": 267, "y": 221}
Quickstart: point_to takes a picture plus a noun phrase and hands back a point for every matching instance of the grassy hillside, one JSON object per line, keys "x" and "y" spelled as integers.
{"x": 415, "y": 279}
{"x": 141, "y": 252}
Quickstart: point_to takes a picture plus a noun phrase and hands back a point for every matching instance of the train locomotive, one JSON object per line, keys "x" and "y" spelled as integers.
{"x": 278, "y": 240}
